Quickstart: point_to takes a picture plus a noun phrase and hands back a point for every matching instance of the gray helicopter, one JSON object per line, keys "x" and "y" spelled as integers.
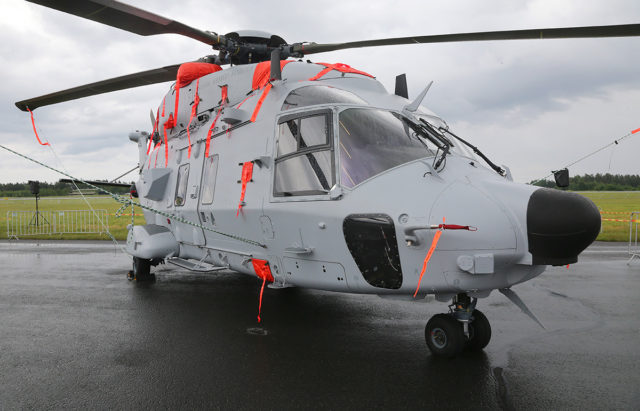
{"x": 307, "y": 174}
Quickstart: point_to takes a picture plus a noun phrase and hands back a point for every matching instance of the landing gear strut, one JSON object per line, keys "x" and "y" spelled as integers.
{"x": 463, "y": 328}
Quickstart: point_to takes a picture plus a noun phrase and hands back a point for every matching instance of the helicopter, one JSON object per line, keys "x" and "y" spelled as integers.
{"x": 310, "y": 174}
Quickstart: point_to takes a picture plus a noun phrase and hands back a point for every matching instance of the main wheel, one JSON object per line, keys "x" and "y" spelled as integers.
{"x": 444, "y": 335}
{"x": 141, "y": 269}
{"x": 479, "y": 332}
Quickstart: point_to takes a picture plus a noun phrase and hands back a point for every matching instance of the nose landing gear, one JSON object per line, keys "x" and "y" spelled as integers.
{"x": 463, "y": 328}
{"x": 141, "y": 270}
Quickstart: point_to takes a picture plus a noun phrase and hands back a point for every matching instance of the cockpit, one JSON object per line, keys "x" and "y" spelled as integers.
{"x": 345, "y": 141}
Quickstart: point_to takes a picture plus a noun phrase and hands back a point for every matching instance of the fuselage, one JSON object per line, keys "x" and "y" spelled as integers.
{"x": 342, "y": 196}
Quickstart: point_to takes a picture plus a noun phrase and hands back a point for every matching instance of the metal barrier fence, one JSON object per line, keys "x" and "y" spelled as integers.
{"x": 634, "y": 250}
{"x": 26, "y": 223}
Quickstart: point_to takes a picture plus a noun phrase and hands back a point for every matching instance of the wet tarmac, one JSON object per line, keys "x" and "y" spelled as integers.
{"x": 74, "y": 333}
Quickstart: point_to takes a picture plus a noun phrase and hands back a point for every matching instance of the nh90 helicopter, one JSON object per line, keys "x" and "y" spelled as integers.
{"x": 312, "y": 175}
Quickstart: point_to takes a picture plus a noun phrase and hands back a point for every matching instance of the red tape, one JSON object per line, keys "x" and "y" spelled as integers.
{"x": 321, "y": 73}
{"x": 223, "y": 95}
{"x": 434, "y": 243}
{"x": 247, "y": 174}
{"x": 33, "y": 123}
{"x": 194, "y": 111}
{"x": 242, "y": 102}
{"x": 170, "y": 123}
{"x": 264, "y": 281}
{"x": 265, "y": 92}
{"x": 620, "y": 221}
{"x": 457, "y": 227}
{"x": 343, "y": 68}
{"x": 261, "y": 267}
{"x": 206, "y": 150}
{"x": 262, "y": 73}
{"x": 436, "y": 238}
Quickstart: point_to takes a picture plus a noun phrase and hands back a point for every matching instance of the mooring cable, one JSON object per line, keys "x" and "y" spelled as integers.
{"x": 124, "y": 200}
{"x": 616, "y": 141}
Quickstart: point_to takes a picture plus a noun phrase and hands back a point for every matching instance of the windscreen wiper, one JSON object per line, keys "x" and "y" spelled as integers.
{"x": 435, "y": 132}
{"x": 420, "y": 130}
{"x": 441, "y": 142}
{"x": 445, "y": 144}
{"x": 491, "y": 164}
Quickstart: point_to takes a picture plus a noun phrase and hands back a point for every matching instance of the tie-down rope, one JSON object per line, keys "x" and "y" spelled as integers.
{"x": 127, "y": 201}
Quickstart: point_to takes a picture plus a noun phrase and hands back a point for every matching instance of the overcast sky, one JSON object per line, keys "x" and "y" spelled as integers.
{"x": 532, "y": 105}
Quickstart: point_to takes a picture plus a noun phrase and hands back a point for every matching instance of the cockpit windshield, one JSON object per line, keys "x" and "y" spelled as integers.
{"x": 372, "y": 141}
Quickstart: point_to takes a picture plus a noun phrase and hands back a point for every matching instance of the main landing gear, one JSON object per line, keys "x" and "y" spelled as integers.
{"x": 463, "y": 328}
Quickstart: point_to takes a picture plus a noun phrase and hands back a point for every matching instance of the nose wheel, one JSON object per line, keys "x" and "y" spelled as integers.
{"x": 463, "y": 328}
{"x": 444, "y": 336}
{"x": 141, "y": 270}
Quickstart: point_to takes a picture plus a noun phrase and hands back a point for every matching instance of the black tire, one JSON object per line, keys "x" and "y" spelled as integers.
{"x": 479, "y": 332}
{"x": 444, "y": 336}
{"x": 141, "y": 269}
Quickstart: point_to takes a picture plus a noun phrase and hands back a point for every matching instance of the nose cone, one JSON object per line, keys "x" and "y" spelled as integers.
{"x": 560, "y": 225}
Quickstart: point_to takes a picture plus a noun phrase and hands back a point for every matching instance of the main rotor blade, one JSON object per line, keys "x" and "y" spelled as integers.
{"x": 129, "y": 18}
{"x": 142, "y": 78}
{"x": 621, "y": 30}
{"x": 95, "y": 183}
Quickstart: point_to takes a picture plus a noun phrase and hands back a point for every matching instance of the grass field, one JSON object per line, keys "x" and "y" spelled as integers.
{"x": 117, "y": 226}
{"x": 613, "y": 205}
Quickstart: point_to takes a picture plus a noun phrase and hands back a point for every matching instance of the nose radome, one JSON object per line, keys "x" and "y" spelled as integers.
{"x": 560, "y": 225}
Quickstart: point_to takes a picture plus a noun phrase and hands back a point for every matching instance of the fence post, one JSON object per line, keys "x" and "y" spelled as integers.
{"x": 634, "y": 251}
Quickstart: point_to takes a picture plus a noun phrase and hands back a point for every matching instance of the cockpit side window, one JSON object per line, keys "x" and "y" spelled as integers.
{"x": 304, "y": 163}
{"x": 314, "y": 95}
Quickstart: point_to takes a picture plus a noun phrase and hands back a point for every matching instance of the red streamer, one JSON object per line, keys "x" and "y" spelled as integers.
{"x": 343, "y": 68}
{"x": 434, "y": 243}
{"x": 261, "y": 267}
{"x": 242, "y": 102}
{"x": 194, "y": 111}
{"x": 264, "y": 281}
{"x": 247, "y": 174}
{"x": 206, "y": 150}
{"x": 33, "y": 123}
{"x": 265, "y": 92}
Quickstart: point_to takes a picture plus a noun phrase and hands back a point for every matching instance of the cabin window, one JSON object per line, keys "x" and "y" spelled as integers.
{"x": 373, "y": 141}
{"x": 304, "y": 163}
{"x": 314, "y": 95}
{"x": 181, "y": 185}
{"x": 209, "y": 179}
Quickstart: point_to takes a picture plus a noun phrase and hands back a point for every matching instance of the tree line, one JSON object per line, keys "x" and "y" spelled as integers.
{"x": 598, "y": 182}
{"x": 587, "y": 182}
{"x": 48, "y": 189}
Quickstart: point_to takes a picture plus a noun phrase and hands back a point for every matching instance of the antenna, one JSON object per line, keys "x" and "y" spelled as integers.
{"x": 416, "y": 103}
